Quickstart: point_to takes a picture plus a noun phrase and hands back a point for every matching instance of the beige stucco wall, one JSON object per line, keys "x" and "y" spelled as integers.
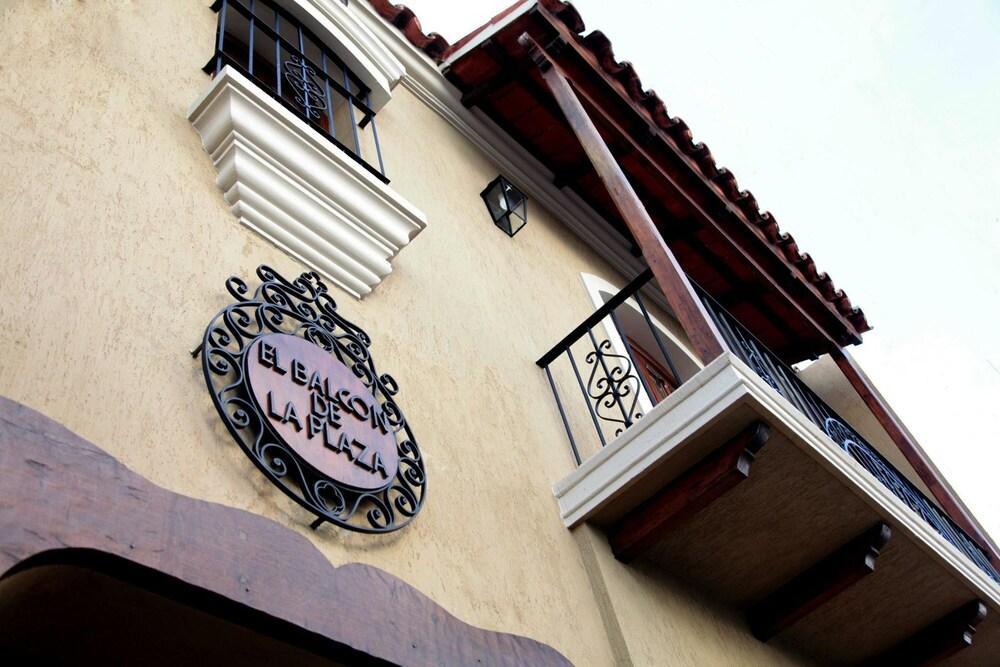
{"x": 117, "y": 243}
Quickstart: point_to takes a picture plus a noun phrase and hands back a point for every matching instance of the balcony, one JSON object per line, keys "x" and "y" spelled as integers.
{"x": 739, "y": 479}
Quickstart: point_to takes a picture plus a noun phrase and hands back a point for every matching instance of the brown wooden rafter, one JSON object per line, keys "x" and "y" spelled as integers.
{"x": 673, "y": 282}
{"x": 796, "y": 288}
{"x": 692, "y": 179}
{"x": 698, "y": 487}
{"x": 633, "y": 147}
{"x": 938, "y": 641}
{"x": 818, "y": 584}
{"x": 631, "y": 142}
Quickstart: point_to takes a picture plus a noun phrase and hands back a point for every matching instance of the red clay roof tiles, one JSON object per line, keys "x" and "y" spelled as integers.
{"x": 437, "y": 48}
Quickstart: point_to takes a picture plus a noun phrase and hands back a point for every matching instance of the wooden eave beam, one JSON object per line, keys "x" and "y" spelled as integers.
{"x": 742, "y": 292}
{"x": 567, "y": 39}
{"x": 570, "y": 175}
{"x": 621, "y": 142}
{"x": 510, "y": 70}
{"x": 730, "y": 277}
{"x": 818, "y": 584}
{"x": 938, "y": 641}
{"x": 639, "y": 151}
{"x": 695, "y": 489}
{"x": 910, "y": 450}
{"x": 671, "y": 279}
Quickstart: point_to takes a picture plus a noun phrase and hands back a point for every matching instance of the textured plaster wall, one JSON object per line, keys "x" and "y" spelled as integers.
{"x": 117, "y": 243}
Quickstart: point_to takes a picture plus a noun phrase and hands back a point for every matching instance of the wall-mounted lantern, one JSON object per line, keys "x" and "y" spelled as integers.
{"x": 507, "y": 205}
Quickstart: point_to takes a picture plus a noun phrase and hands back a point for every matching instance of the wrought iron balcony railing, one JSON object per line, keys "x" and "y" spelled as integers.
{"x": 614, "y": 385}
{"x": 616, "y": 388}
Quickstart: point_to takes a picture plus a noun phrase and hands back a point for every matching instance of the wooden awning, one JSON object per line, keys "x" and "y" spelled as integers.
{"x": 68, "y": 504}
{"x": 717, "y": 232}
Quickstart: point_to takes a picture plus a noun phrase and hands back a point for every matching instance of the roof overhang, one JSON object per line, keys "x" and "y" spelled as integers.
{"x": 717, "y": 232}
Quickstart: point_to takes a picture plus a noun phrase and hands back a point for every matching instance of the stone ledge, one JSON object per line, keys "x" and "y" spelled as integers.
{"x": 289, "y": 184}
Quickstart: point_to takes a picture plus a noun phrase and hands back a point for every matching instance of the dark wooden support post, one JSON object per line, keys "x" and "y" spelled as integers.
{"x": 672, "y": 280}
{"x": 818, "y": 584}
{"x": 939, "y": 640}
{"x": 694, "y": 490}
{"x": 910, "y": 450}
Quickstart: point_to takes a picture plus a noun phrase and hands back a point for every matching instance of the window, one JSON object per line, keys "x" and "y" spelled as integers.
{"x": 276, "y": 52}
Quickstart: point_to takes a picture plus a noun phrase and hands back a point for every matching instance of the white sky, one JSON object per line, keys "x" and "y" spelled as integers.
{"x": 872, "y": 131}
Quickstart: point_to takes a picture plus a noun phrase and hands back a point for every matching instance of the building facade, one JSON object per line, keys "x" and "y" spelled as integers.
{"x": 614, "y": 449}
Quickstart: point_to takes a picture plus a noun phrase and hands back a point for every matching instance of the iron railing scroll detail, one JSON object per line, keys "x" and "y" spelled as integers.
{"x": 308, "y": 93}
{"x": 786, "y": 382}
{"x": 610, "y": 382}
{"x": 613, "y": 385}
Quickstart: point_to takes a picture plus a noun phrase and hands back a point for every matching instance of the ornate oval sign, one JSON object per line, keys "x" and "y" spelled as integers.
{"x": 297, "y": 388}
{"x": 317, "y": 406}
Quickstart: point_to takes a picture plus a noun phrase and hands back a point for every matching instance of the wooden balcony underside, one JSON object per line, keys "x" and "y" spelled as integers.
{"x": 797, "y": 545}
{"x": 788, "y": 516}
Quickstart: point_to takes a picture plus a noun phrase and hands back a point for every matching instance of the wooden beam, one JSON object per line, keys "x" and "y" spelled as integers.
{"x": 684, "y": 497}
{"x": 787, "y": 352}
{"x": 939, "y": 640}
{"x": 509, "y": 71}
{"x": 693, "y": 174}
{"x": 820, "y": 583}
{"x": 685, "y": 304}
{"x": 910, "y": 450}
{"x": 741, "y": 292}
{"x": 642, "y": 153}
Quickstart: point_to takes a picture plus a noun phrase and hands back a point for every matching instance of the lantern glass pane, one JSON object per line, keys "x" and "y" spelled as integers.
{"x": 515, "y": 201}
{"x": 495, "y": 201}
{"x": 514, "y": 224}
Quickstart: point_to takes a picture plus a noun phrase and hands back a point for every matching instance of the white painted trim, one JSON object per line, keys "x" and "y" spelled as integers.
{"x": 596, "y": 287}
{"x": 342, "y": 29}
{"x": 650, "y": 441}
{"x": 295, "y": 188}
{"x": 726, "y": 384}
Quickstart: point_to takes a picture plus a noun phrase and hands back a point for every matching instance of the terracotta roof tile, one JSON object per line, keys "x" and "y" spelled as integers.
{"x": 675, "y": 128}
{"x": 401, "y": 16}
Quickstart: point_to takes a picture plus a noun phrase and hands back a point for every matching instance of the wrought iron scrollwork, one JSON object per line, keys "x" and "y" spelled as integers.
{"x": 884, "y": 472}
{"x": 613, "y": 386}
{"x": 755, "y": 360}
{"x": 786, "y": 382}
{"x": 308, "y": 93}
{"x": 304, "y": 308}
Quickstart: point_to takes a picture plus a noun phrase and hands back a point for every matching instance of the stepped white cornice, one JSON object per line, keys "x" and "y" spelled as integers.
{"x": 295, "y": 188}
